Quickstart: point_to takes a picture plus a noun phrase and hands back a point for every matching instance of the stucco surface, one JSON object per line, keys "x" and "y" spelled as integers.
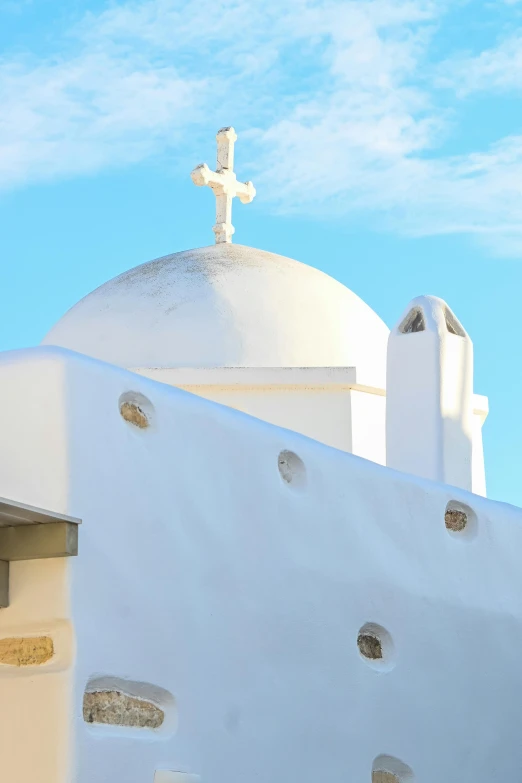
{"x": 232, "y": 594}
{"x": 225, "y": 305}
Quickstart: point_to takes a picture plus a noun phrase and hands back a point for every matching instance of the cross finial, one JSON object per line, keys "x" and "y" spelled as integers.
{"x": 224, "y": 183}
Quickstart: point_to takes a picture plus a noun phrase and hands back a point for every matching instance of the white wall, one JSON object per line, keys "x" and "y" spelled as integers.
{"x": 328, "y": 404}
{"x": 368, "y": 415}
{"x": 429, "y": 395}
{"x": 35, "y": 713}
{"x": 201, "y": 572}
{"x": 480, "y": 414}
{"x": 322, "y": 414}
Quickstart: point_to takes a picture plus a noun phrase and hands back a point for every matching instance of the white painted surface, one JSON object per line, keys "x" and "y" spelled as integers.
{"x": 226, "y": 306}
{"x": 35, "y": 704}
{"x": 203, "y": 573}
{"x": 324, "y": 415}
{"x": 330, "y": 404}
{"x": 324, "y": 403}
{"x": 429, "y": 396}
{"x": 368, "y": 425}
{"x": 480, "y": 413}
{"x": 250, "y": 318}
{"x": 224, "y": 184}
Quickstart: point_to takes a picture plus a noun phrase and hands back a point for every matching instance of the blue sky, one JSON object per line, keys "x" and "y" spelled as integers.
{"x": 384, "y": 139}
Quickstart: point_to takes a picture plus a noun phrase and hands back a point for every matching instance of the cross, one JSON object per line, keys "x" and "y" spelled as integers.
{"x": 224, "y": 183}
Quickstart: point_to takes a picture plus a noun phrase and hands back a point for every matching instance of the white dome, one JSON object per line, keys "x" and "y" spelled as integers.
{"x": 225, "y": 306}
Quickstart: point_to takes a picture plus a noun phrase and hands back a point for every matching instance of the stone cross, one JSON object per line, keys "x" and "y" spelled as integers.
{"x": 224, "y": 183}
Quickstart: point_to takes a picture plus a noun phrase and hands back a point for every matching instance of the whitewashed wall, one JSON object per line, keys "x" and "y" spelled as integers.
{"x": 233, "y": 599}
{"x": 328, "y": 404}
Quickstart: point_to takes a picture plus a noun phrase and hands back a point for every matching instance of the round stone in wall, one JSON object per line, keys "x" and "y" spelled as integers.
{"x": 136, "y": 409}
{"x": 388, "y": 769}
{"x": 291, "y": 469}
{"x": 460, "y": 520}
{"x": 381, "y": 776}
{"x": 376, "y": 647}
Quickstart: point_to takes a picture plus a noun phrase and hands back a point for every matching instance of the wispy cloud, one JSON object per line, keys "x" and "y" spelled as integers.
{"x": 78, "y": 115}
{"x": 498, "y": 69}
{"x": 339, "y": 101}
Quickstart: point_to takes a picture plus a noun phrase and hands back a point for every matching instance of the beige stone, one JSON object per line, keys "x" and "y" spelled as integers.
{"x": 134, "y": 415}
{"x": 370, "y": 646}
{"x": 456, "y": 520}
{"x": 381, "y": 776}
{"x": 120, "y": 709}
{"x": 26, "y": 651}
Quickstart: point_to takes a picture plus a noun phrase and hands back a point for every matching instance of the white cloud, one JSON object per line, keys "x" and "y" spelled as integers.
{"x": 493, "y": 70}
{"x": 474, "y": 194}
{"x": 80, "y": 114}
{"x": 335, "y": 100}
{"x": 143, "y": 71}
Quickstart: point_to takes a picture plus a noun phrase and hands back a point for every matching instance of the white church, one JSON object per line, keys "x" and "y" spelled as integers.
{"x": 244, "y": 535}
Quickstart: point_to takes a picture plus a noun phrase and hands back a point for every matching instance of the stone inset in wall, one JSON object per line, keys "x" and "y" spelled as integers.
{"x": 169, "y": 776}
{"x": 460, "y": 520}
{"x": 134, "y": 415}
{"x": 370, "y": 646}
{"x": 384, "y": 777}
{"x": 387, "y": 769}
{"x": 136, "y": 409}
{"x": 455, "y": 520}
{"x": 115, "y": 701}
{"x": 26, "y": 651}
{"x": 291, "y": 469}
{"x": 119, "y": 709}
{"x": 376, "y": 647}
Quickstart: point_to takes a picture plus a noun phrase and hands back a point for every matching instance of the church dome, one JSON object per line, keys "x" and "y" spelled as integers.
{"x": 225, "y": 306}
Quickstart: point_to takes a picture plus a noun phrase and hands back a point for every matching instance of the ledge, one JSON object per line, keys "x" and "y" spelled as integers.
{"x": 30, "y": 533}
{"x": 14, "y": 514}
{"x": 284, "y": 378}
